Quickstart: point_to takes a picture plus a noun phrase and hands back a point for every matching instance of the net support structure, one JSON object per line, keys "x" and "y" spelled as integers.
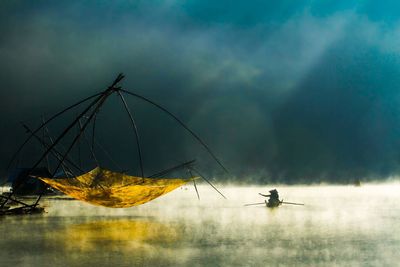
{"x": 90, "y": 113}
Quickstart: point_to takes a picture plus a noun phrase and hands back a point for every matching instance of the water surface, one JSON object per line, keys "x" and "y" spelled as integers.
{"x": 338, "y": 226}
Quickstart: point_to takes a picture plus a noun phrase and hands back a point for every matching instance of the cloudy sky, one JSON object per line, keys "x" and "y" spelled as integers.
{"x": 295, "y": 91}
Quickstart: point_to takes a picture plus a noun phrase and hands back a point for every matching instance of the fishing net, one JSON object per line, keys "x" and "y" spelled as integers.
{"x": 112, "y": 189}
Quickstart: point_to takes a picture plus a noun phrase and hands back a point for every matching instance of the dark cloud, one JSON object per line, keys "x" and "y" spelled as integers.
{"x": 282, "y": 92}
{"x": 342, "y": 120}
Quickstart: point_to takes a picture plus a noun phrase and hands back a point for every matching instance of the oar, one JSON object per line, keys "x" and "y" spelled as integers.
{"x": 291, "y": 203}
{"x": 282, "y": 202}
{"x": 263, "y": 203}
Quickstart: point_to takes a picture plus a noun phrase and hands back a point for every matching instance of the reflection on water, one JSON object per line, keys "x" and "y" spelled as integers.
{"x": 133, "y": 233}
{"x": 340, "y": 225}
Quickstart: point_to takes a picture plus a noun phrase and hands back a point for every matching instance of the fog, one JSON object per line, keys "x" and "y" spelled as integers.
{"x": 338, "y": 226}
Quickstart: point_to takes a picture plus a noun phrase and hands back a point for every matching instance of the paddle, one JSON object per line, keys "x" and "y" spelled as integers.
{"x": 262, "y": 203}
{"x": 291, "y": 203}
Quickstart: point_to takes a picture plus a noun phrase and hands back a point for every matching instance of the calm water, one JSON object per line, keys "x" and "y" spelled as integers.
{"x": 339, "y": 226}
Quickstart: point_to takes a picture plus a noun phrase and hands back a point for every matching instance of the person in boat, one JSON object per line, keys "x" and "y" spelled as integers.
{"x": 273, "y": 198}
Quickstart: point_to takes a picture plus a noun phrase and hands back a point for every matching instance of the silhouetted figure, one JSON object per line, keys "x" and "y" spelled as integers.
{"x": 273, "y": 200}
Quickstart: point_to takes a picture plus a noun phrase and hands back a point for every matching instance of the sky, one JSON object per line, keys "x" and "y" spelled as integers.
{"x": 282, "y": 91}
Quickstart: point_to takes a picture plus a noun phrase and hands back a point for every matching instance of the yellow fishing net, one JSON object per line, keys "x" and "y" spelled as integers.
{"x": 112, "y": 189}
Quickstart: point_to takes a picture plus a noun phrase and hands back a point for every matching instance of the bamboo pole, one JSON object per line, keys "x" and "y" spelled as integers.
{"x": 135, "y": 130}
{"x": 15, "y": 200}
{"x": 194, "y": 183}
{"x": 292, "y": 203}
{"x": 54, "y": 144}
{"x": 79, "y": 150}
{"x": 94, "y": 130}
{"x": 106, "y": 94}
{"x": 43, "y": 138}
{"x": 45, "y": 123}
{"x": 181, "y": 123}
{"x": 87, "y": 142}
{"x": 253, "y": 204}
{"x": 185, "y": 164}
{"x": 99, "y": 97}
{"x": 205, "y": 179}
{"x": 117, "y": 80}
{"x": 56, "y": 153}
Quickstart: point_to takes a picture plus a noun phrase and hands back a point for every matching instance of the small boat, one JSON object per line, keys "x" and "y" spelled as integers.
{"x": 273, "y": 200}
{"x": 273, "y": 204}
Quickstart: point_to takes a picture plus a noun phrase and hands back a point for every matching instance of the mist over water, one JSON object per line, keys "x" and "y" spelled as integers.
{"x": 338, "y": 226}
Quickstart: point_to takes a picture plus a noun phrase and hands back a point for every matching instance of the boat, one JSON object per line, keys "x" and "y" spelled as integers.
{"x": 273, "y": 200}
{"x": 272, "y": 204}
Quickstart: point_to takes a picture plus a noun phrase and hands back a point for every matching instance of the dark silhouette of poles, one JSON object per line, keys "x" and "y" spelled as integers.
{"x": 194, "y": 184}
{"x": 180, "y": 166}
{"x": 56, "y": 153}
{"x": 45, "y": 123}
{"x": 181, "y": 123}
{"x": 208, "y": 181}
{"x": 106, "y": 94}
{"x": 99, "y": 100}
{"x": 135, "y": 130}
{"x": 55, "y": 142}
{"x": 87, "y": 141}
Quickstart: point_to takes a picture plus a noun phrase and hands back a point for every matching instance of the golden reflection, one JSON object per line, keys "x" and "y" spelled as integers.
{"x": 121, "y": 233}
